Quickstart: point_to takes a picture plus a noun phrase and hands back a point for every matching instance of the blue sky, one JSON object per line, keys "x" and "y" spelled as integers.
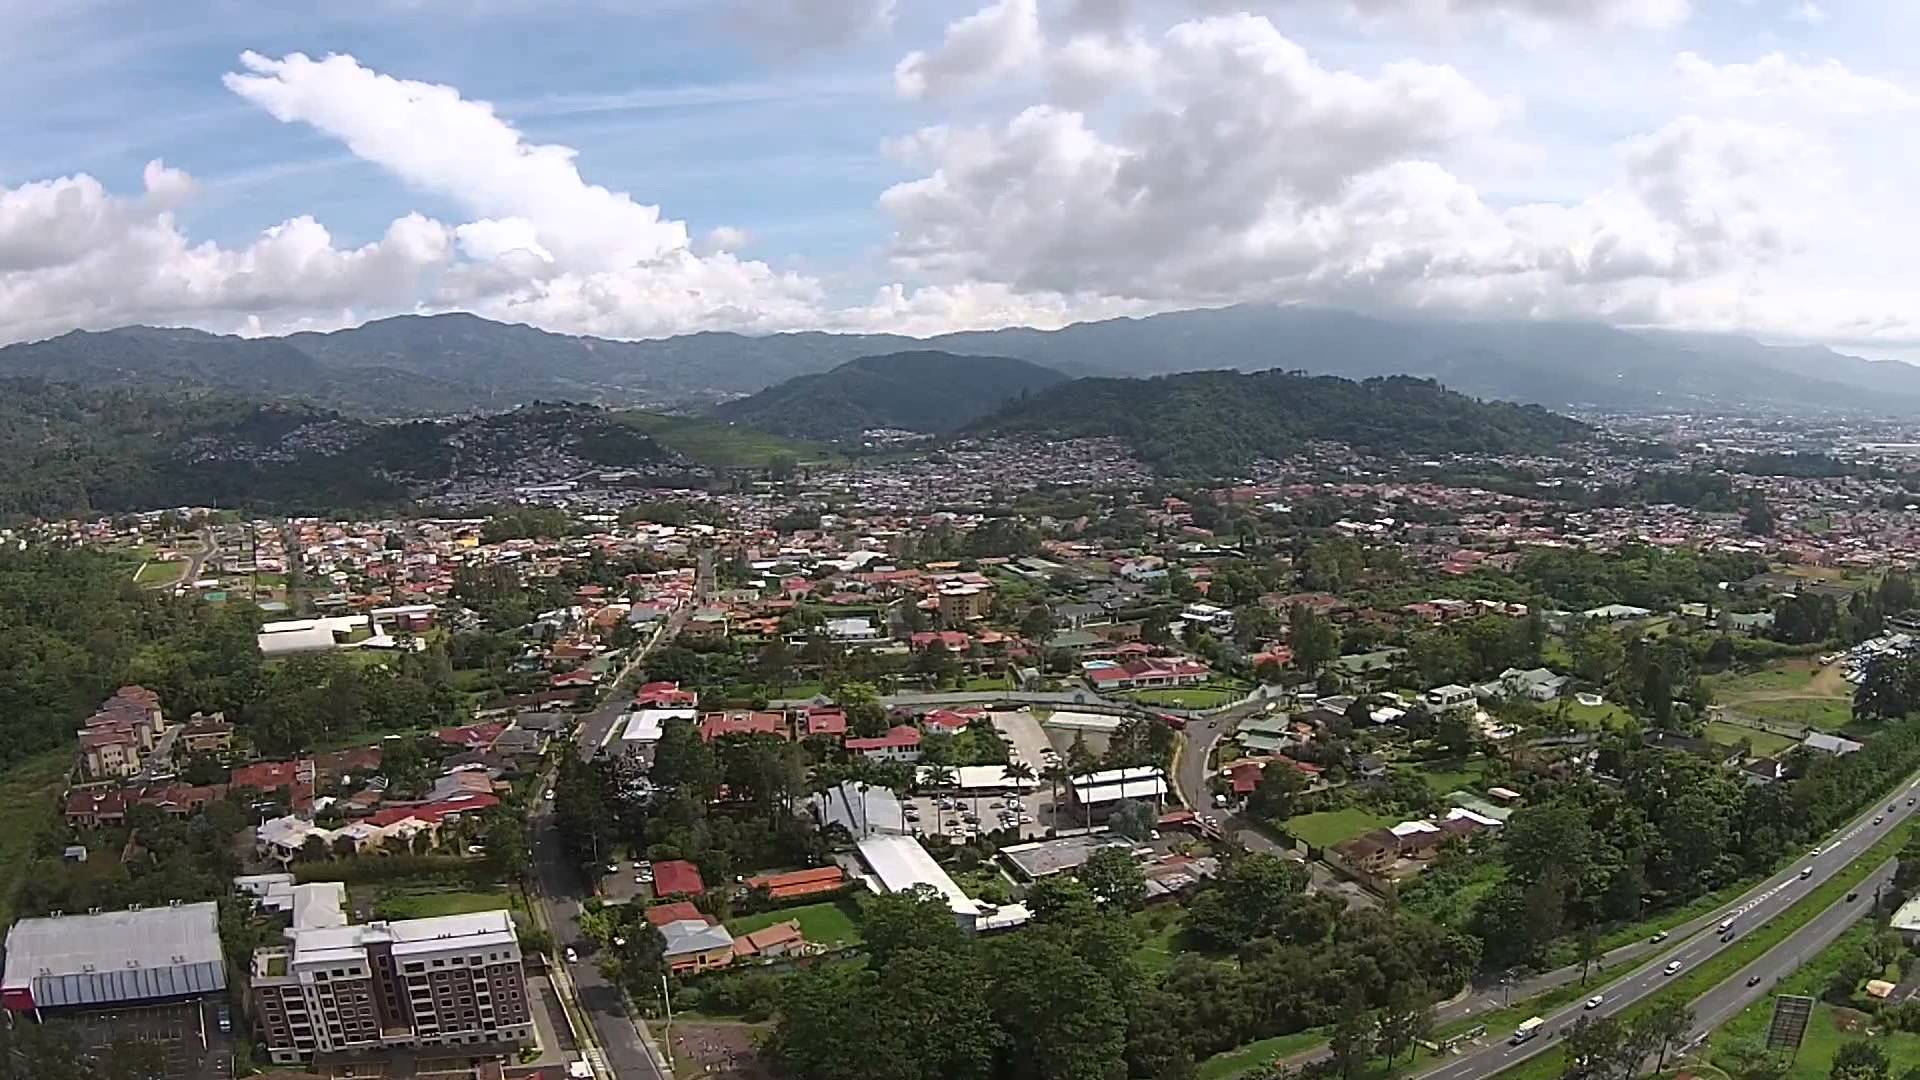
{"x": 924, "y": 165}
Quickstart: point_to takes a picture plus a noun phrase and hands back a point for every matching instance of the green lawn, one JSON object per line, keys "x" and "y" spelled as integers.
{"x": 1826, "y": 714}
{"x": 1187, "y": 697}
{"x": 1765, "y": 743}
{"x": 1329, "y": 827}
{"x": 1766, "y": 680}
{"x": 1162, "y": 937}
{"x": 26, "y": 814}
{"x": 986, "y": 683}
{"x": 1242, "y": 1060}
{"x": 1605, "y": 715}
{"x": 1447, "y": 776}
{"x": 155, "y": 573}
{"x": 422, "y": 904}
{"x": 836, "y": 923}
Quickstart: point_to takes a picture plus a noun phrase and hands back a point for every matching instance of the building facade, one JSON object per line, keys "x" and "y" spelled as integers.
{"x": 455, "y": 980}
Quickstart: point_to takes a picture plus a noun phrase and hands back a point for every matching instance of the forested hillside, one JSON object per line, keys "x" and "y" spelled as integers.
{"x": 1213, "y": 423}
{"x": 931, "y": 392}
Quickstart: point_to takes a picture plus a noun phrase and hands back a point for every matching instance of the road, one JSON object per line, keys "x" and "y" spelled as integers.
{"x": 625, "y": 1047}
{"x": 1769, "y": 898}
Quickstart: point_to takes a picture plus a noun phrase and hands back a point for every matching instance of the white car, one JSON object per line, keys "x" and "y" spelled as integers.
{"x": 1594, "y": 1001}
{"x": 1673, "y": 966}
{"x": 549, "y": 794}
{"x": 573, "y": 957}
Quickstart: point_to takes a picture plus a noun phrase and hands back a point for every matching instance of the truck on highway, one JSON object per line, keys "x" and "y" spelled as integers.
{"x": 1528, "y": 1029}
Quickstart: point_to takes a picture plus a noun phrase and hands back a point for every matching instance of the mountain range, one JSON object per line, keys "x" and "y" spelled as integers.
{"x": 442, "y": 364}
{"x": 932, "y": 392}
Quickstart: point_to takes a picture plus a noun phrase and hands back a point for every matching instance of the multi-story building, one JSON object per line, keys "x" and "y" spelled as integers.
{"x": 455, "y": 980}
{"x": 122, "y": 732}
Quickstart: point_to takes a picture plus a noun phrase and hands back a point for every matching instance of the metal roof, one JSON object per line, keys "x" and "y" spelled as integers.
{"x": 117, "y": 956}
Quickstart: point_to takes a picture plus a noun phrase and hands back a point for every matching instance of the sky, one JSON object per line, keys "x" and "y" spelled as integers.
{"x": 641, "y": 168}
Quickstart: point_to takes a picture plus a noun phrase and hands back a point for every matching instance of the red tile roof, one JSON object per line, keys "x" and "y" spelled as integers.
{"x": 662, "y": 914}
{"x": 821, "y": 879}
{"x": 677, "y": 877}
{"x": 903, "y": 737}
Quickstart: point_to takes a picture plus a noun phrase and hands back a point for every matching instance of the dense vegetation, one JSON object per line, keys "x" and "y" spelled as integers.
{"x": 1214, "y": 423}
{"x": 929, "y": 392}
{"x": 76, "y": 451}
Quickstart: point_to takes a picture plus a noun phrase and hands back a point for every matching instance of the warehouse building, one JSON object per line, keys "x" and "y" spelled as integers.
{"x": 114, "y": 959}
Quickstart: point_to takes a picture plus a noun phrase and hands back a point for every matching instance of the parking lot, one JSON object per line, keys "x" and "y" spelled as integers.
{"x": 626, "y": 882}
{"x": 174, "y": 1032}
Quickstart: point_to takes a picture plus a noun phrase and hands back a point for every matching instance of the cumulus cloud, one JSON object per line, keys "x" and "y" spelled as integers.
{"x": 991, "y": 42}
{"x": 1251, "y": 171}
{"x": 1648, "y": 14}
{"x": 1775, "y": 80}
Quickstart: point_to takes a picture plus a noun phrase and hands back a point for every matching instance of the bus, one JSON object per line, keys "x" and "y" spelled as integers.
{"x": 1527, "y": 1030}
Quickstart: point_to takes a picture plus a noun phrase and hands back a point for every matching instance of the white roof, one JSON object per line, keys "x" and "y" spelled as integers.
{"x": 311, "y": 639}
{"x": 1473, "y": 816}
{"x": 1907, "y": 919}
{"x": 1114, "y": 776}
{"x": 1409, "y": 828}
{"x": 117, "y": 956}
{"x": 476, "y": 930}
{"x": 648, "y": 725}
{"x": 983, "y": 777}
{"x": 900, "y": 863}
{"x": 1083, "y": 721}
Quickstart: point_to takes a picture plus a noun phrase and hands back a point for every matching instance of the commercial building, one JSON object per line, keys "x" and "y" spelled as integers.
{"x": 1096, "y": 794}
{"x": 899, "y": 863}
{"x": 114, "y": 958}
{"x": 454, "y": 980}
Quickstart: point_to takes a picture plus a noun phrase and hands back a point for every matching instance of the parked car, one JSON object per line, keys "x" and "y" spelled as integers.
{"x": 223, "y": 1019}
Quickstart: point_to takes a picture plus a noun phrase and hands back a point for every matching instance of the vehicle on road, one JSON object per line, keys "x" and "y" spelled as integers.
{"x": 1753, "y": 980}
{"x": 1806, "y": 872}
{"x": 1852, "y": 896}
{"x": 573, "y": 955}
{"x": 223, "y": 1019}
{"x": 549, "y": 794}
{"x": 1890, "y": 808}
{"x": 1659, "y": 937}
{"x": 1879, "y": 819}
{"x": 1177, "y": 723}
{"x": 1672, "y": 966}
{"x": 1726, "y": 937}
{"x": 1594, "y": 1001}
{"x": 1528, "y": 1029}
{"x": 1814, "y": 854}
{"x": 1726, "y": 924}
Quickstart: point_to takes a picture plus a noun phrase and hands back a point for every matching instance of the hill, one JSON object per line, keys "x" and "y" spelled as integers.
{"x": 1216, "y": 423}
{"x": 73, "y": 450}
{"x": 932, "y": 392}
{"x": 418, "y": 365}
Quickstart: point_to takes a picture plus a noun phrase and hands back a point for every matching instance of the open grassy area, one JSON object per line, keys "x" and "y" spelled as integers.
{"x": 27, "y": 813}
{"x": 1826, "y": 714}
{"x": 828, "y": 924}
{"x": 1329, "y": 827}
{"x": 1824, "y": 1031}
{"x": 1187, "y": 697}
{"x": 1605, "y": 716}
{"x": 158, "y": 573}
{"x": 1446, "y": 776}
{"x": 986, "y": 683}
{"x": 1793, "y": 675}
{"x": 1162, "y": 937}
{"x": 722, "y": 446}
{"x": 1765, "y": 743}
{"x": 426, "y": 903}
{"x": 1245, "y": 1059}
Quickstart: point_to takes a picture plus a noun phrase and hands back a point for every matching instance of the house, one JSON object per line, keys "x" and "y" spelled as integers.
{"x": 718, "y": 725}
{"x": 520, "y": 742}
{"x": 780, "y": 939}
{"x": 694, "y": 945}
{"x": 207, "y": 734}
{"x": 1616, "y": 612}
{"x": 1830, "y": 744}
{"x": 1532, "y": 684}
{"x": 677, "y": 877}
{"x": 952, "y": 640}
{"x": 823, "y": 721}
{"x": 1145, "y": 672}
{"x": 900, "y": 744}
{"x": 798, "y": 883}
{"x": 471, "y": 736}
{"x": 661, "y": 914}
{"x": 664, "y": 695}
{"x": 1449, "y": 697}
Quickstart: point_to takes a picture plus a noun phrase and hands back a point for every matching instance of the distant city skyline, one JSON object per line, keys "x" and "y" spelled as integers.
{"x": 639, "y": 168}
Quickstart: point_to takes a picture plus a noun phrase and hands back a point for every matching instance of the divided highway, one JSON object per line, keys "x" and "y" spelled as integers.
{"x": 1764, "y": 901}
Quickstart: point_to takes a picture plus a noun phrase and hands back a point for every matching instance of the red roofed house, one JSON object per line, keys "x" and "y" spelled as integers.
{"x": 1246, "y": 776}
{"x": 900, "y": 744}
{"x": 270, "y": 776}
{"x": 950, "y": 719}
{"x": 664, "y": 695}
{"x": 780, "y": 939}
{"x": 677, "y": 877}
{"x": 954, "y": 640}
{"x": 1149, "y": 672}
{"x": 662, "y": 914}
{"x": 826, "y": 721}
{"x": 718, "y": 724}
{"x": 823, "y": 879}
{"x": 472, "y": 736}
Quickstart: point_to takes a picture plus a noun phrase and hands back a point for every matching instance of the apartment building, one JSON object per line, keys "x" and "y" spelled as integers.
{"x": 454, "y": 980}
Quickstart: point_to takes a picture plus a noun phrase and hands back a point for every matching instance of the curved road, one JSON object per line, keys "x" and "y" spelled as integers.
{"x": 1769, "y": 898}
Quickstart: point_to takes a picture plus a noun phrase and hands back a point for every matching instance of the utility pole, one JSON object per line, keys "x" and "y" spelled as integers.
{"x": 666, "y": 1043}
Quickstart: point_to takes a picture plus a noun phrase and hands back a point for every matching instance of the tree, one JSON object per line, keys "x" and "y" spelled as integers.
{"x": 1355, "y": 1035}
{"x": 1115, "y": 879}
{"x": 1749, "y": 1059}
{"x": 1313, "y": 639}
{"x": 1758, "y": 520}
{"x": 1597, "y": 652}
{"x": 1037, "y": 624}
{"x": 1404, "y": 1020}
{"x": 1276, "y": 796}
{"x": 1860, "y": 1060}
{"x": 1666, "y": 1025}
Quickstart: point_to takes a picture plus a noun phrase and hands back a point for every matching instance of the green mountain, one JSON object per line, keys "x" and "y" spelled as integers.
{"x": 932, "y": 392}
{"x": 1216, "y": 423}
{"x": 73, "y": 450}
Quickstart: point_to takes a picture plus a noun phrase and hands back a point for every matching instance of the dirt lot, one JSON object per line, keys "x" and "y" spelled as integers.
{"x": 718, "y": 1050}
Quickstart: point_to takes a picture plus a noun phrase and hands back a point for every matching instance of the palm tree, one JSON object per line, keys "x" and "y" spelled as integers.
{"x": 939, "y": 776}
{"x": 1017, "y": 771}
{"x": 1054, "y": 775}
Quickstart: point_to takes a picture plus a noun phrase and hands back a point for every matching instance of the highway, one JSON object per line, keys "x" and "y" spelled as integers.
{"x": 1769, "y": 898}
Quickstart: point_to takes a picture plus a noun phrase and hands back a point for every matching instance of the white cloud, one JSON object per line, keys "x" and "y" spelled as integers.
{"x": 1774, "y": 80}
{"x": 726, "y": 238}
{"x": 1809, "y": 12}
{"x": 1646, "y": 14}
{"x": 992, "y": 42}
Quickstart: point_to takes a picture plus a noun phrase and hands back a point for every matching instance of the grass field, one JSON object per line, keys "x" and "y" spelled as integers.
{"x": 1824, "y": 1032}
{"x": 1210, "y": 695}
{"x": 722, "y": 446}
{"x": 26, "y": 814}
{"x": 157, "y": 573}
{"x": 1826, "y": 714}
{"x": 1447, "y": 776}
{"x": 1604, "y": 716}
{"x": 1329, "y": 827}
{"x": 1793, "y": 675}
{"x": 826, "y": 924}
{"x": 1244, "y": 1059}
{"x": 424, "y": 904}
{"x": 1765, "y": 743}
